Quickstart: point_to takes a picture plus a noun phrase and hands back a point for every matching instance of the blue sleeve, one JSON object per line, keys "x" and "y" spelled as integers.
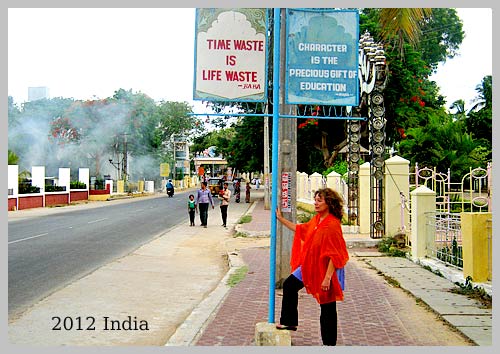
{"x": 210, "y": 197}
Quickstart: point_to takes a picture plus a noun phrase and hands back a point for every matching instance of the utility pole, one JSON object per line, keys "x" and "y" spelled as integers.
{"x": 125, "y": 156}
{"x": 266, "y": 161}
{"x": 287, "y": 163}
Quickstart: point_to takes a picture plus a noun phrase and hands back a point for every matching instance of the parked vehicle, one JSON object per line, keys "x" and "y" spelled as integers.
{"x": 215, "y": 185}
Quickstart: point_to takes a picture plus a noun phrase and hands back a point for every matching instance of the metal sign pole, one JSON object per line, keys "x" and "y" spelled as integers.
{"x": 274, "y": 169}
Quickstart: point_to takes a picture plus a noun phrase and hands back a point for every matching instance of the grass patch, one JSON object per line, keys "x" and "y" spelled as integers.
{"x": 437, "y": 271}
{"x": 238, "y": 275}
{"x": 475, "y": 292}
{"x": 388, "y": 246}
{"x": 240, "y": 234}
{"x": 245, "y": 219}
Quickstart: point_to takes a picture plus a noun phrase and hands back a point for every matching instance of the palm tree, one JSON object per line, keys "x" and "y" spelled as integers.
{"x": 13, "y": 159}
{"x": 401, "y": 25}
{"x": 484, "y": 98}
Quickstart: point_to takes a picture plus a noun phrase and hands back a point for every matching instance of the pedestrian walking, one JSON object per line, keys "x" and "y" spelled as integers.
{"x": 225, "y": 197}
{"x": 247, "y": 193}
{"x": 318, "y": 257}
{"x": 191, "y": 209}
{"x": 237, "y": 187}
{"x": 203, "y": 199}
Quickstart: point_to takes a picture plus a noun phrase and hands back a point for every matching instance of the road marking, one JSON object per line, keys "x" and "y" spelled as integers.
{"x": 94, "y": 221}
{"x": 27, "y": 238}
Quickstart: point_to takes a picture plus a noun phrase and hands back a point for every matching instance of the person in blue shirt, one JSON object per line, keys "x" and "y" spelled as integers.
{"x": 170, "y": 188}
{"x": 203, "y": 199}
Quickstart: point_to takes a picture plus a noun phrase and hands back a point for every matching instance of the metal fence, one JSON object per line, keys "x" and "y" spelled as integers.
{"x": 447, "y": 242}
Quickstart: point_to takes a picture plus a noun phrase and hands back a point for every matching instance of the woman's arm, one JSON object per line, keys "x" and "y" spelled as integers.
{"x": 287, "y": 223}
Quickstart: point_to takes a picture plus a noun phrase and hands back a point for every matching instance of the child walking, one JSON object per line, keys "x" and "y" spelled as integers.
{"x": 191, "y": 209}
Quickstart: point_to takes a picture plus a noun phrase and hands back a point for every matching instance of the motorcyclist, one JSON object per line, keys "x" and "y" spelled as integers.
{"x": 170, "y": 188}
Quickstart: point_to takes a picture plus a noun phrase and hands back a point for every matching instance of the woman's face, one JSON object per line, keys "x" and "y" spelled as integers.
{"x": 320, "y": 205}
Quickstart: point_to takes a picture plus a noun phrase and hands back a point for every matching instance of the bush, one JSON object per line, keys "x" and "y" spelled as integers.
{"x": 51, "y": 188}
{"x": 451, "y": 255}
{"x": 28, "y": 188}
{"x": 77, "y": 185}
{"x": 388, "y": 245}
{"x": 100, "y": 184}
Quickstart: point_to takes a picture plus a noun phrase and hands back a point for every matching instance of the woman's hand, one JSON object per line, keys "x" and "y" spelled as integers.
{"x": 287, "y": 223}
{"x": 325, "y": 285}
{"x": 278, "y": 214}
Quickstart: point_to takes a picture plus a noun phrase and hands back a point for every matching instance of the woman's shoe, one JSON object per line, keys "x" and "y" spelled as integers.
{"x": 290, "y": 328}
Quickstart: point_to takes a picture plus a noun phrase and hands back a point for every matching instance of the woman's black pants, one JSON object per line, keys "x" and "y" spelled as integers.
{"x": 290, "y": 315}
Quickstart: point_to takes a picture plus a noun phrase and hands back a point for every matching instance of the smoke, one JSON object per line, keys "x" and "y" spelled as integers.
{"x": 28, "y": 138}
{"x": 104, "y": 132}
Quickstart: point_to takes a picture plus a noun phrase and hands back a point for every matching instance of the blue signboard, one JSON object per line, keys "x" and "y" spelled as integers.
{"x": 322, "y": 57}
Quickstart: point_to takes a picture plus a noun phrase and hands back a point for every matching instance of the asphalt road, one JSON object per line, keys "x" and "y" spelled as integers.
{"x": 48, "y": 252}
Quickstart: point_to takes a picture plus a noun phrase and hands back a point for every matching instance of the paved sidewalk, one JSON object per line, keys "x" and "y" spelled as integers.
{"x": 420, "y": 312}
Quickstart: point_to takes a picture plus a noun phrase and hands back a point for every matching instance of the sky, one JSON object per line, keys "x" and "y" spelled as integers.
{"x": 458, "y": 77}
{"x": 89, "y": 53}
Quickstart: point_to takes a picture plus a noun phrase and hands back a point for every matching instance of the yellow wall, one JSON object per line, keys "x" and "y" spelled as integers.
{"x": 99, "y": 197}
{"x": 476, "y": 246}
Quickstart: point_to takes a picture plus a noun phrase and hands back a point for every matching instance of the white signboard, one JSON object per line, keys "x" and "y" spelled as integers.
{"x": 230, "y": 55}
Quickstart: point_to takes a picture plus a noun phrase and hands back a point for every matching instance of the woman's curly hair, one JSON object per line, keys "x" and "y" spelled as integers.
{"x": 334, "y": 201}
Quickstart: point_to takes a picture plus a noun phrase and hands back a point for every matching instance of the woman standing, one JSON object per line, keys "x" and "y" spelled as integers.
{"x": 318, "y": 257}
{"x": 247, "y": 192}
{"x": 237, "y": 190}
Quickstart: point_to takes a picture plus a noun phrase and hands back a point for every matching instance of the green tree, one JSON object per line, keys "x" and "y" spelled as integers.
{"x": 479, "y": 119}
{"x": 443, "y": 143}
{"x": 245, "y": 150}
{"x": 410, "y": 97}
{"x": 174, "y": 118}
{"x": 12, "y": 158}
{"x": 140, "y": 122}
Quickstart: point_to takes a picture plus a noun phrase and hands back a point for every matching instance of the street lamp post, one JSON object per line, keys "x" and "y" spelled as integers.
{"x": 117, "y": 166}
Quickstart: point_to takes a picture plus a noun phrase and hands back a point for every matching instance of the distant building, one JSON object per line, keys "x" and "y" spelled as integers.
{"x": 38, "y": 93}
{"x": 181, "y": 154}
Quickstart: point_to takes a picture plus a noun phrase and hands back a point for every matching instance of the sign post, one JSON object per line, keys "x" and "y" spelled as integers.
{"x": 321, "y": 68}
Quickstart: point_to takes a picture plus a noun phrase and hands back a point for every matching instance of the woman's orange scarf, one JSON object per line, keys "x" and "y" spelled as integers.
{"x": 314, "y": 244}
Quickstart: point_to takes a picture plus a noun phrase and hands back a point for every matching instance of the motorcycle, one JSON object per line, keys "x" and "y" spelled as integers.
{"x": 170, "y": 188}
